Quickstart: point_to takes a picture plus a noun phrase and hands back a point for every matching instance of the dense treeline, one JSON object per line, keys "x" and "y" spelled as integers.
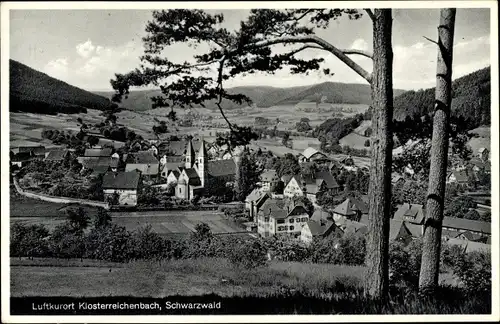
{"x": 471, "y": 99}
{"x": 35, "y": 92}
{"x": 332, "y": 130}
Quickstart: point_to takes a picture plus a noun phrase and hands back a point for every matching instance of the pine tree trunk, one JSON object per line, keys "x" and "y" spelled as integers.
{"x": 379, "y": 193}
{"x": 429, "y": 270}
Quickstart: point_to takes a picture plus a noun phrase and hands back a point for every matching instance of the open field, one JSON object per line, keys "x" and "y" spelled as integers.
{"x": 175, "y": 222}
{"x": 53, "y": 277}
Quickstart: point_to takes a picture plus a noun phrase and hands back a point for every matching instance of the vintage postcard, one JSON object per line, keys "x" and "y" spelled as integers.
{"x": 249, "y": 161}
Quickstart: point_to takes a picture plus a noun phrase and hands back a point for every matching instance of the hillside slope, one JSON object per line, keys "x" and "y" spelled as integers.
{"x": 36, "y": 92}
{"x": 263, "y": 97}
{"x": 471, "y": 99}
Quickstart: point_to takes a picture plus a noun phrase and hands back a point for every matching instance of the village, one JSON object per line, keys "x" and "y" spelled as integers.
{"x": 307, "y": 199}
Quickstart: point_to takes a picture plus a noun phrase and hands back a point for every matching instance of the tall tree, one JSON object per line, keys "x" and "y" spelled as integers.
{"x": 249, "y": 50}
{"x": 429, "y": 270}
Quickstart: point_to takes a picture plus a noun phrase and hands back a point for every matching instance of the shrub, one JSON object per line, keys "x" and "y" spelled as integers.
{"x": 28, "y": 240}
{"x": 148, "y": 245}
{"x": 404, "y": 263}
{"x": 248, "y": 254}
{"x": 474, "y": 271}
{"x": 111, "y": 243}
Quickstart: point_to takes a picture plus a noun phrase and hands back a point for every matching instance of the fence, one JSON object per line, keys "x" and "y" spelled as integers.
{"x": 60, "y": 200}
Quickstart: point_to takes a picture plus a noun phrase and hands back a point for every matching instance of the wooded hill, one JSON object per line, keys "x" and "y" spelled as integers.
{"x": 471, "y": 99}
{"x": 36, "y": 92}
{"x": 263, "y": 97}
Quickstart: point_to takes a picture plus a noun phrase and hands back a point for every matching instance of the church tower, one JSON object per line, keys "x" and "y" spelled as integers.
{"x": 202, "y": 163}
{"x": 189, "y": 155}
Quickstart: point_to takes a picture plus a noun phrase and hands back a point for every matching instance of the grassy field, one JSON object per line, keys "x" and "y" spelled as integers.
{"x": 54, "y": 277}
{"x": 175, "y": 222}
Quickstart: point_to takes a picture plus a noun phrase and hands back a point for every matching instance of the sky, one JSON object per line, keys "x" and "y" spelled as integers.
{"x": 86, "y": 48}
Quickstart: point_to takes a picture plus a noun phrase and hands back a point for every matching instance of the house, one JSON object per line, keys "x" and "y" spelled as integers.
{"x": 399, "y": 231}
{"x": 97, "y": 153}
{"x": 462, "y": 225}
{"x": 38, "y": 152}
{"x": 273, "y": 219}
{"x": 22, "y": 158}
{"x": 351, "y": 208}
{"x": 483, "y": 154}
{"x": 57, "y": 155}
{"x": 310, "y": 186}
{"x": 198, "y": 172}
{"x": 320, "y": 214}
{"x": 99, "y": 163}
{"x": 311, "y": 154}
{"x": 144, "y": 161}
{"x": 457, "y": 177}
{"x": 314, "y": 230}
{"x": 414, "y": 214}
{"x": 121, "y": 188}
{"x": 269, "y": 180}
{"x": 254, "y": 201}
{"x": 352, "y": 227}
{"x": 478, "y": 166}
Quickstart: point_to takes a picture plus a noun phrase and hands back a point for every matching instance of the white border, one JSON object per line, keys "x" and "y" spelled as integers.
{"x": 5, "y": 290}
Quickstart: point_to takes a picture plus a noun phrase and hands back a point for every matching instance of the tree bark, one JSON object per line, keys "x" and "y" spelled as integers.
{"x": 379, "y": 194}
{"x": 429, "y": 270}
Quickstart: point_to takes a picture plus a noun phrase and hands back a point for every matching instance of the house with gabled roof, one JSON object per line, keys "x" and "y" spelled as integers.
{"x": 143, "y": 161}
{"x": 311, "y": 154}
{"x": 274, "y": 218}
{"x": 269, "y": 180}
{"x": 97, "y": 153}
{"x": 351, "y": 208}
{"x": 57, "y": 155}
{"x": 457, "y": 177}
{"x": 319, "y": 229}
{"x": 121, "y": 188}
{"x": 254, "y": 201}
{"x": 310, "y": 186}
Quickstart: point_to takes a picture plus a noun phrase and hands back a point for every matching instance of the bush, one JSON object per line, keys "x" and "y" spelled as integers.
{"x": 248, "y": 254}
{"x": 474, "y": 271}
{"x": 28, "y": 240}
{"x": 404, "y": 263}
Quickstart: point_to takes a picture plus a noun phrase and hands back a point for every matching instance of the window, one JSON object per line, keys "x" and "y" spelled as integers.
{"x": 304, "y": 219}
{"x": 280, "y": 228}
{"x": 280, "y": 221}
{"x": 286, "y": 228}
{"x": 292, "y": 228}
{"x": 266, "y": 219}
{"x": 180, "y": 190}
{"x": 291, "y": 220}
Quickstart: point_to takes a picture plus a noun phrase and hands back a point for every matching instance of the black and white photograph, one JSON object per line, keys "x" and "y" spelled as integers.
{"x": 320, "y": 160}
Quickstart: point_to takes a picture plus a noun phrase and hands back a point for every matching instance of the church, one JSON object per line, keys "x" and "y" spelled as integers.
{"x": 194, "y": 176}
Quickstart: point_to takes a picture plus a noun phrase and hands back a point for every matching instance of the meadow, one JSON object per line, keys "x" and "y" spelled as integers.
{"x": 277, "y": 288}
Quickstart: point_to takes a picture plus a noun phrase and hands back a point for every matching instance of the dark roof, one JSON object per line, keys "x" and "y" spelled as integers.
{"x": 141, "y": 157}
{"x": 413, "y": 213}
{"x": 286, "y": 178}
{"x": 221, "y": 168}
{"x": 398, "y": 230}
{"x": 278, "y": 214}
{"x": 23, "y": 157}
{"x": 100, "y": 169}
{"x": 37, "y": 150}
{"x": 269, "y": 176}
{"x": 191, "y": 173}
{"x": 318, "y": 229}
{"x": 460, "y": 176}
{"x": 330, "y": 181}
{"x": 320, "y": 214}
{"x": 176, "y": 173}
{"x": 467, "y": 224}
{"x": 101, "y": 161}
{"x": 146, "y": 169}
{"x": 296, "y": 210}
{"x": 121, "y": 180}
{"x": 178, "y": 147}
{"x": 56, "y": 155}
{"x": 104, "y": 152}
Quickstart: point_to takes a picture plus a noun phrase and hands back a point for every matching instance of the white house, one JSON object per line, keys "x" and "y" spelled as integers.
{"x": 311, "y": 154}
{"x": 122, "y": 186}
{"x": 318, "y": 229}
{"x": 310, "y": 186}
{"x": 274, "y": 220}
